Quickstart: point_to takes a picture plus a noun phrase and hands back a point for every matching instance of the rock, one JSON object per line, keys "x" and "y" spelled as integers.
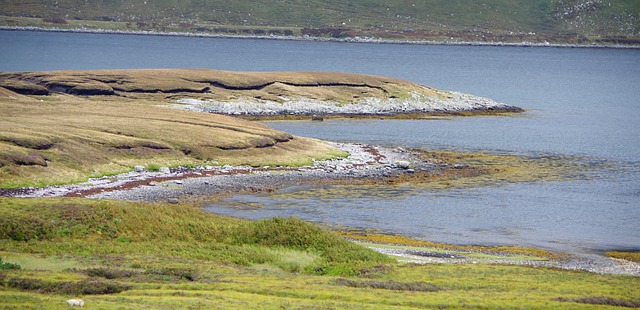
{"x": 164, "y": 170}
{"x": 75, "y": 302}
{"x": 173, "y": 201}
{"x": 317, "y": 118}
{"x": 179, "y": 182}
{"x": 138, "y": 168}
{"x": 403, "y": 164}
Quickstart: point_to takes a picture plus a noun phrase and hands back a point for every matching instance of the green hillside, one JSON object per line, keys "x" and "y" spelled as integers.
{"x": 561, "y": 21}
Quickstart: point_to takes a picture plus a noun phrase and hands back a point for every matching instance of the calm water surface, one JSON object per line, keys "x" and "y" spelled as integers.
{"x": 583, "y": 102}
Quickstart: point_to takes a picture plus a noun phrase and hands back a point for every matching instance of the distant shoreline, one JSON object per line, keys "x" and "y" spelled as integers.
{"x": 316, "y": 39}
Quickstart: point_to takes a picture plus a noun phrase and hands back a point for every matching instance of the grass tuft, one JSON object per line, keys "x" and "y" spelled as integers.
{"x": 7, "y": 265}
{"x": 390, "y": 285}
{"x": 85, "y": 287}
{"x": 601, "y": 300}
{"x": 630, "y": 256}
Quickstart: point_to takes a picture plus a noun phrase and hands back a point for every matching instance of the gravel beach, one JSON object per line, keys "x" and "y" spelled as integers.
{"x": 176, "y": 184}
{"x": 453, "y": 102}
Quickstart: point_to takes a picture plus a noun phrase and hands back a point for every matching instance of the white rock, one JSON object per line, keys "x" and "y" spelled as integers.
{"x": 403, "y": 164}
{"x": 75, "y": 302}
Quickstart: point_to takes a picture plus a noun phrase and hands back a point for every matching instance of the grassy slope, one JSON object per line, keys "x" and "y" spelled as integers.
{"x": 62, "y": 138}
{"x": 172, "y": 256}
{"x": 82, "y": 124}
{"x": 491, "y": 18}
{"x": 220, "y": 85}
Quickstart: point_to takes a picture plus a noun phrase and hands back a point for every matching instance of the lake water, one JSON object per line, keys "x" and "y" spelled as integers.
{"x": 583, "y": 102}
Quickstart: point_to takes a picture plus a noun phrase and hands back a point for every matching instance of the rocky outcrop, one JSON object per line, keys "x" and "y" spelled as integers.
{"x": 24, "y": 88}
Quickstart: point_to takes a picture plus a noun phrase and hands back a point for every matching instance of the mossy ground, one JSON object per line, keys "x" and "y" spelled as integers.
{"x": 178, "y": 256}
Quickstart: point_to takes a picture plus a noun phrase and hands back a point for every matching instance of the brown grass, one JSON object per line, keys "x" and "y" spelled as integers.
{"x": 630, "y": 256}
{"x": 62, "y": 138}
{"x": 221, "y": 85}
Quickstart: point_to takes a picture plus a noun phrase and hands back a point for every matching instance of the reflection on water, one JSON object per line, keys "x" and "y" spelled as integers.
{"x": 555, "y": 215}
{"x": 341, "y": 192}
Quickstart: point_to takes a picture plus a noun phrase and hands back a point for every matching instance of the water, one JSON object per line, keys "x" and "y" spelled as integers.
{"x": 583, "y": 102}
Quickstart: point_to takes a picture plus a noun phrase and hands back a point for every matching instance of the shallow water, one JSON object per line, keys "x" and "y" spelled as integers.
{"x": 583, "y": 102}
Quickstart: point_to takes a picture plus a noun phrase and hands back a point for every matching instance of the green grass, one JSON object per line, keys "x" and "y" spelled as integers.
{"x": 494, "y": 20}
{"x": 67, "y": 226}
{"x": 115, "y": 254}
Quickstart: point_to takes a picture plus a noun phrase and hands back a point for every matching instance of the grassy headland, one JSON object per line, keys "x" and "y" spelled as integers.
{"x": 556, "y": 21}
{"x": 121, "y": 254}
{"x": 65, "y": 126}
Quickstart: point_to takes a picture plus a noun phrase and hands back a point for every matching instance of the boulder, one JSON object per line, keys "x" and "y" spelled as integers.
{"x": 173, "y": 201}
{"x": 403, "y": 164}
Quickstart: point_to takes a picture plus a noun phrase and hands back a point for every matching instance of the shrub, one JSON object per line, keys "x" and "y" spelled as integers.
{"x": 25, "y": 229}
{"x": 153, "y": 167}
{"x": 297, "y": 234}
{"x": 390, "y": 285}
{"x": 176, "y": 273}
{"x": 110, "y": 273}
{"x": 601, "y": 300}
{"x": 4, "y": 265}
{"x": 85, "y": 287}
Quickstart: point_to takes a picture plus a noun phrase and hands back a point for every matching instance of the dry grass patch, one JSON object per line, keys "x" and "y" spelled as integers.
{"x": 630, "y": 256}
{"x": 221, "y": 85}
{"x": 66, "y": 139}
{"x": 95, "y": 123}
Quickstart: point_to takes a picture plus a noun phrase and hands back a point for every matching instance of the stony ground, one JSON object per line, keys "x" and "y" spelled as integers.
{"x": 595, "y": 263}
{"x": 173, "y": 185}
{"x": 365, "y": 161}
{"x": 451, "y": 103}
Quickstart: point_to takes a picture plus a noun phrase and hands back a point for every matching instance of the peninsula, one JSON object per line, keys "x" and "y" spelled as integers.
{"x": 66, "y": 126}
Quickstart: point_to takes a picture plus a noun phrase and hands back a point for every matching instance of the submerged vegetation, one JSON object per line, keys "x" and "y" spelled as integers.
{"x": 118, "y": 254}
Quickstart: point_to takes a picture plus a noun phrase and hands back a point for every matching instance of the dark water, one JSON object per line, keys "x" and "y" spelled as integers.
{"x": 583, "y": 102}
